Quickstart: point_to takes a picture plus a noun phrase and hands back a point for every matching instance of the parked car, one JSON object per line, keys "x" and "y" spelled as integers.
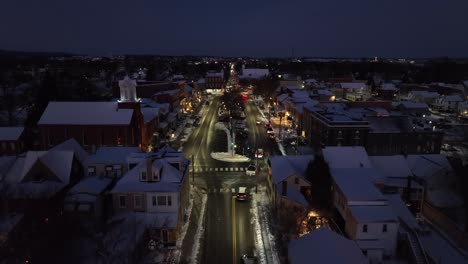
{"x": 242, "y": 194}
{"x": 251, "y": 170}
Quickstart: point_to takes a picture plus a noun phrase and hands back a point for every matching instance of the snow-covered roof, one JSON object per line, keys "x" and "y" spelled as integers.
{"x": 58, "y": 162}
{"x": 10, "y": 133}
{"x": 91, "y": 185}
{"x": 346, "y": 157}
{"x": 85, "y": 113}
{"x": 282, "y": 97}
{"x": 373, "y": 213}
{"x": 254, "y": 73}
{"x": 353, "y": 85}
{"x": 170, "y": 177}
{"x": 408, "y": 104}
{"x": 8, "y": 223}
{"x": 427, "y": 165}
{"x": 453, "y": 98}
{"x": 425, "y": 94}
{"x": 391, "y": 166}
{"x": 149, "y": 113}
{"x": 294, "y": 195}
{"x": 285, "y": 166}
{"x": 5, "y": 164}
{"x": 322, "y": 246}
{"x": 389, "y": 86}
{"x": 357, "y": 184}
{"x": 73, "y": 146}
{"x": 111, "y": 155}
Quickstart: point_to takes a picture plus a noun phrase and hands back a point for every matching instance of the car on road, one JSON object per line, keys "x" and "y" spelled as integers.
{"x": 259, "y": 154}
{"x": 242, "y": 194}
{"x": 270, "y": 130}
{"x": 251, "y": 170}
{"x": 258, "y": 122}
{"x": 267, "y": 125}
{"x": 246, "y": 259}
{"x": 271, "y": 135}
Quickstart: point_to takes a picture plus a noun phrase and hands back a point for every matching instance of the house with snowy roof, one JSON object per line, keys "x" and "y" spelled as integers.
{"x": 427, "y": 97}
{"x": 387, "y": 91}
{"x": 411, "y": 108}
{"x": 448, "y": 103}
{"x": 87, "y": 198}
{"x": 368, "y": 218}
{"x": 324, "y": 246}
{"x": 253, "y": 73}
{"x": 287, "y": 183}
{"x": 40, "y": 176}
{"x": 109, "y": 162}
{"x": 156, "y": 187}
{"x": 11, "y": 140}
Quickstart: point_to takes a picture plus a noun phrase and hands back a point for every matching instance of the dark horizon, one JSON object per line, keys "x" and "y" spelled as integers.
{"x": 395, "y": 29}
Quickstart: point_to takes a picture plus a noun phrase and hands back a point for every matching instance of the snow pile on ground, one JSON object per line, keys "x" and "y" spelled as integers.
{"x": 281, "y": 148}
{"x": 228, "y": 157}
{"x": 184, "y": 226}
{"x": 200, "y": 231}
{"x": 264, "y": 239}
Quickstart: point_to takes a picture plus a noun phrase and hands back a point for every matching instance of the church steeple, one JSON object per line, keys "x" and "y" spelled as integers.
{"x": 128, "y": 90}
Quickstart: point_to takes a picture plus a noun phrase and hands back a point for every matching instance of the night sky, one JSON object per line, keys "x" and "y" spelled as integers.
{"x": 320, "y": 28}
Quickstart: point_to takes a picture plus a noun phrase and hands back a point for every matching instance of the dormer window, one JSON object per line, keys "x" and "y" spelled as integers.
{"x": 143, "y": 176}
{"x": 155, "y": 175}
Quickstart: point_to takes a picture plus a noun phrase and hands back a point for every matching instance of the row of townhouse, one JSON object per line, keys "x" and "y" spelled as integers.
{"x": 114, "y": 185}
{"x": 359, "y": 182}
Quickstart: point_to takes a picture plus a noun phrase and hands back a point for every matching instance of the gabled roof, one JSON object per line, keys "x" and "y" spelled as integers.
{"x": 91, "y": 185}
{"x": 85, "y": 113}
{"x": 170, "y": 177}
{"x": 324, "y": 246}
{"x": 346, "y": 157}
{"x": 429, "y": 164}
{"x": 10, "y": 133}
{"x": 285, "y": 166}
{"x": 357, "y": 184}
{"x": 58, "y": 162}
{"x": 373, "y": 213}
{"x": 111, "y": 155}
{"x": 294, "y": 195}
{"x": 73, "y": 146}
{"x": 352, "y": 85}
{"x": 391, "y": 166}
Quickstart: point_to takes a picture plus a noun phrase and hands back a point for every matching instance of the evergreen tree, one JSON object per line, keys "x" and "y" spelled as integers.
{"x": 318, "y": 173}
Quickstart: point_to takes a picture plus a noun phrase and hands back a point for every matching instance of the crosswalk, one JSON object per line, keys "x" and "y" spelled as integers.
{"x": 221, "y": 190}
{"x": 220, "y": 169}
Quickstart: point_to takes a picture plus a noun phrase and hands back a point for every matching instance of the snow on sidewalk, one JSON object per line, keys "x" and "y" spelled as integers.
{"x": 264, "y": 239}
{"x": 184, "y": 226}
{"x": 200, "y": 231}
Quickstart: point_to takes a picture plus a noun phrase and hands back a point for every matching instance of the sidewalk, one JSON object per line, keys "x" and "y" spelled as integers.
{"x": 189, "y": 242}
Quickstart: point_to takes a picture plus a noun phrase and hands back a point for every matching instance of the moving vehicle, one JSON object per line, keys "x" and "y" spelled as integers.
{"x": 271, "y": 135}
{"x": 251, "y": 170}
{"x": 259, "y": 153}
{"x": 258, "y": 122}
{"x": 242, "y": 194}
{"x": 270, "y": 130}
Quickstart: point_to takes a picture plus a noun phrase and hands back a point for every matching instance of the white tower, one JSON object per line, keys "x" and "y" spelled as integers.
{"x": 128, "y": 90}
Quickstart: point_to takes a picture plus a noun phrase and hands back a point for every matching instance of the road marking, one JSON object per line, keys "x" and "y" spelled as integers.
{"x": 233, "y": 190}
{"x": 221, "y": 169}
{"x": 232, "y": 169}
{"x": 211, "y": 169}
{"x": 216, "y": 169}
{"x": 226, "y": 169}
{"x": 236, "y": 169}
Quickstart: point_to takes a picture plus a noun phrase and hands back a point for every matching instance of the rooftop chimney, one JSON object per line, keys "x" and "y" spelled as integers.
{"x": 149, "y": 168}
